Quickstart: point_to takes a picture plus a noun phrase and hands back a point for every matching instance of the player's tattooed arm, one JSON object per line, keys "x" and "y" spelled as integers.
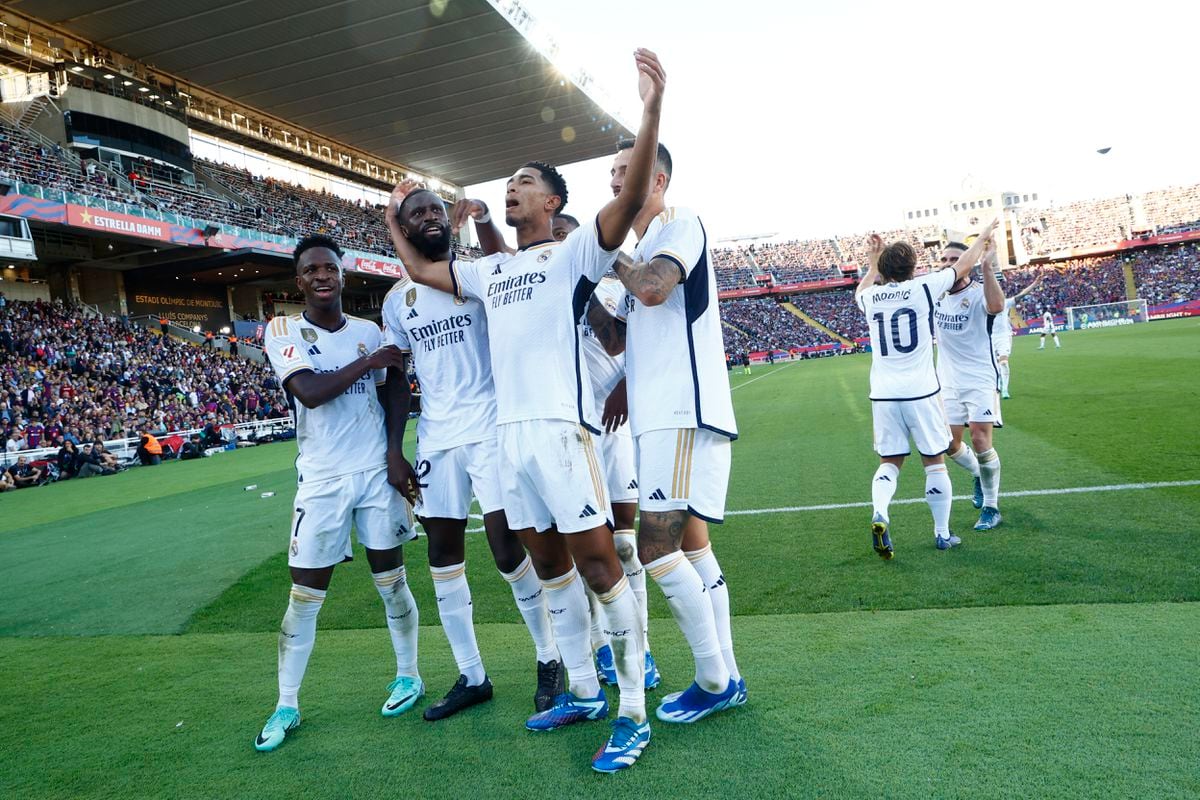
{"x": 617, "y": 216}
{"x": 314, "y": 389}
{"x": 609, "y": 330}
{"x": 651, "y": 283}
{"x": 993, "y": 295}
{"x": 491, "y": 240}
{"x": 435, "y": 274}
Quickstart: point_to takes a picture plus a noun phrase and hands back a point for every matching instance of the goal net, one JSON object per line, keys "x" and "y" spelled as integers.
{"x": 1107, "y": 315}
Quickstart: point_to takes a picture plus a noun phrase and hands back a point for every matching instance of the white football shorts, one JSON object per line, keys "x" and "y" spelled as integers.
{"x": 924, "y": 420}
{"x": 684, "y": 469}
{"x": 971, "y": 405}
{"x": 551, "y": 473}
{"x": 448, "y": 477}
{"x": 620, "y": 465}
{"x": 325, "y": 510}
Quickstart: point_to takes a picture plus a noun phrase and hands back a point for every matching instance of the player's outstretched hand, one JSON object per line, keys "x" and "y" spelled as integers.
{"x": 989, "y": 249}
{"x": 403, "y": 189}
{"x": 616, "y": 408}
{"x": 387, "y": 356}
{"x": 403, "y": 477}
{"x": 990, "y": 229}
{"x": 464, "y": 210}
{"x": 652, "y": 78}
{"x": 874, "y": 245}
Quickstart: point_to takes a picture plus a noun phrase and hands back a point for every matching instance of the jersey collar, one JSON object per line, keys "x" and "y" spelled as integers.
{"x": 532, "y": 245}
{"x": 345, "y": 322}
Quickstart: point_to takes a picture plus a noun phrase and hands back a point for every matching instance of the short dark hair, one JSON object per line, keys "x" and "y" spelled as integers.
{"x": 412, "y": 194}
{"x": 956, "y": 246}
{"x": 315, "y": 240}
{"x": 558, "y": 184}
{"x": 568, "y": 219}
{"x": 898, "y": 261}
{"x": 662, "y": 160}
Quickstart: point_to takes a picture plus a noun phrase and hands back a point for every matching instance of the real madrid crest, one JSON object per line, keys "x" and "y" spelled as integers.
{"x": 309, "y": 335}
{"x": 410, "y": 298}
{"x": 966, "y": 303}
{"x": 362, "y": 349}
{"x": 459, "y": 301}
{"x": 544, "y": 257}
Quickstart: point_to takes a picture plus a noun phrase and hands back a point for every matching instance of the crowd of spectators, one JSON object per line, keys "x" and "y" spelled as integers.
{"x": 72, "y": 382}
{"x": 1167, "y": 274}
{"x": 766, "y": 325}
{"x": 1074, "y": 282}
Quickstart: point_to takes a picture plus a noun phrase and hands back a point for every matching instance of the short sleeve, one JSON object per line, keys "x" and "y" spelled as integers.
{"x": 378, "y": 375}
{"x": 939, "y": 282}
{"x": 589, "y": 259}
{"x": 861, "y": 298}
{"x": 612, "y": 294}
{"x": 680, "y": 240}
{"x": 465, "y": 277}
{"x": 288, "y": 354}
{"x": 393, "y": 329}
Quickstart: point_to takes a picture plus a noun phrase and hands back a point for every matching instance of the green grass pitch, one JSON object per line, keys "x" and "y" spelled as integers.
{"x": 1055, "y": 657}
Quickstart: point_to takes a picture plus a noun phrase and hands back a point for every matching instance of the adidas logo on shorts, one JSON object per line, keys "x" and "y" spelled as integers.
{"x": 987, "y": 413}
{"x": 588, "y": 511}
{"x": 657, "y": 494}
{"x": 632, "y": 485}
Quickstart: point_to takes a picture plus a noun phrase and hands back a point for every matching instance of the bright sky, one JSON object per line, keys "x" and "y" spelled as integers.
{"x": 808, "y": 119}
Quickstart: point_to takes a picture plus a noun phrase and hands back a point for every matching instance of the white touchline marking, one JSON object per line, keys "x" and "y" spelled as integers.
{"x": 760, "y": 377}
{"x": 1119, "y": 487}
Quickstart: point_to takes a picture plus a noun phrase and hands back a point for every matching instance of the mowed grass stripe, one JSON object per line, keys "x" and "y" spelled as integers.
{"x": 1048, "y": 702}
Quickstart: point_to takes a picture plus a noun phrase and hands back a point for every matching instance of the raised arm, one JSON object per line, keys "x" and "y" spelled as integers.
{"x": 966, "y": 262}
{"x": 314, "y": 389}
{"x": 618, "y": 214}
{"x": 874, "y": 248}
{"x": 993, "y": 295}
{"x": 491, "y": 240}
{"x": 609, "y": 330}
{"x": 435, "y": 274}
{"x": 1036, "y": 282}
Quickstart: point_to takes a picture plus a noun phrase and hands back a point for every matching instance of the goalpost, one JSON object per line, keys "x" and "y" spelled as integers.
{"x": 1107, "y": 315}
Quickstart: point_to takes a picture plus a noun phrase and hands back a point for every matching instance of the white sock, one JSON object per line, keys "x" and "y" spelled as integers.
{"x": 718, "y": 594}
{"x": 527, "y": 591}
{"x": 938, "y": 493}
{"x": 596, "y": 618}
{"x": 402, "y": 617}
{"x": 622, "y": 618}
{"x": 1057, "y": 343}
{"x": 1003, "y": 376}
{"x": 454, "y": 607}
{"x": 883, "y": 488}
{"x": 1042, "y": 343}
{"x": 965, "y": 458}
{"x": 296, "y": 637}
{"x": 567, "y": 604}
{"x": 626, "y": 543}
{"x": 989, "y": 468}
{"x": 685, "y": 593}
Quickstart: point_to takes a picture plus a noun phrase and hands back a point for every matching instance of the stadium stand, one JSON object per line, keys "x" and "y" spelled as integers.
{"x": 98, "y": 378}
{"x": 768, "y": 326}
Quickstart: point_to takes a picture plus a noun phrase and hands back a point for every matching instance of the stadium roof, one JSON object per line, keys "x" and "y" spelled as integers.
{"x": 460, "y": 95}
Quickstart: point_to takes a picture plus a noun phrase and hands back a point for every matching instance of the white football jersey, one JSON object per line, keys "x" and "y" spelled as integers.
{"x": 346, "y": 434}
{"x": 1002, "y": 325}
{"x": 1048, "y": 322}
{"x": 674, "y": 352}
{"x": 900, "y": 318}
{"x": 965, "y": 357}
{"x": 534, "y": 300}
{"x": 447, "y": 338}
{"x": 606, "y": 371}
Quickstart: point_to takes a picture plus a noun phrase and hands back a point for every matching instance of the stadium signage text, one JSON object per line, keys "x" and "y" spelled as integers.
{"x": 112, "y": 222}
